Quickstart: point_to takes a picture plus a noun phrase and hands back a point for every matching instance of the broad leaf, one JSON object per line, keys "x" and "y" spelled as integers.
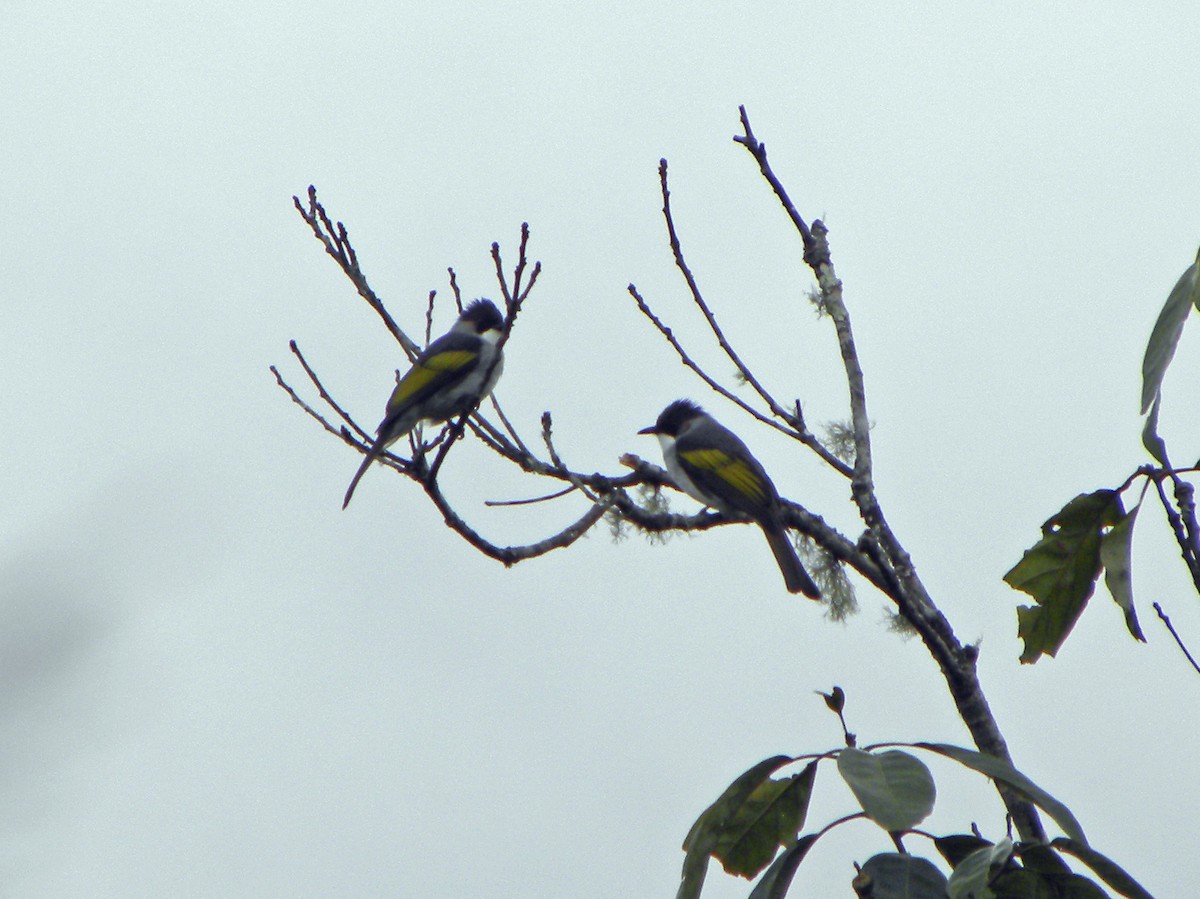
{"x": 1045, "y": 876}
{"x": 1106, "y": 869}
{"x": 1061, "y": 569}
{"x": 1115, "y": 547}
{"x": 894, "y": 788}
{"x": 972, "y": 875}
{"x": 957, "y": 846}
{"x": 1164, "y": 338}
{"x": 1041, "y": 858}
{"x": 1000, "y": 770}
{"x": 1021, "y": 883}
{"x": 895, "y": 876}
{"x": 770, "y": 817}
{"x": 706, "y": 832}
{"x": 778, "y": 879}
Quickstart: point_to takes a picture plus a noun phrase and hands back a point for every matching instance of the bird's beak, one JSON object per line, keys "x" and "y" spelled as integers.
{"x": 650, "y": 430}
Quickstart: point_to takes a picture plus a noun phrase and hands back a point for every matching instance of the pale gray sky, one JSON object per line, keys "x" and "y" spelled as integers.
{"x": 215, "y": 682}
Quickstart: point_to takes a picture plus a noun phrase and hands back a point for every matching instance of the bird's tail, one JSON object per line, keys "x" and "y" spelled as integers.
{"x": 371, "y": 456}
{"x": 794, "y": 575}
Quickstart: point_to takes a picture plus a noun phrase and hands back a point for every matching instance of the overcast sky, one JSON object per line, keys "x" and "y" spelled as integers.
{"x": 213, "y": 681}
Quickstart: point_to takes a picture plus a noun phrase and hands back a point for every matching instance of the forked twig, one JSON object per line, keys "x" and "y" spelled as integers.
{"x": 337, "y": 244}
{"x": 698, "y": 298}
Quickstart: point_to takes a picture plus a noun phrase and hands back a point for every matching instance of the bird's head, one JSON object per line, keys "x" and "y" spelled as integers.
{"x": 673, "y": 419}
{"x": 480, "y": 317}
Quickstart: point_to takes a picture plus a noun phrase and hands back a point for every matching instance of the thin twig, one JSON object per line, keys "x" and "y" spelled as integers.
{"x": 510, "y": 555}
{"x": 680, "y": 263}
{"x": 1175, "y": 634}
{"x": 556, "y": 460}
{"x": 512, "y": 432}
{"x": 429, "y": 318}
{"x": 570, "y": 488}
{"x": 324, "y": 394}
{"x": 337, "y": 244}
{"x": 803, "y": 435}
{"x": 759, "y": 151}
{"x": 457, "y": 293}
{"x": 313, "y": 413}
{"x": 687, "y": 360}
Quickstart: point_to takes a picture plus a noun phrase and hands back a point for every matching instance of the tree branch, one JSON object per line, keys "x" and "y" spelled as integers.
{"x": 1178, "y": 640}
{"x": 798, "y": 432}
{"x": 698, "y": 299}
{"x": 337, "y": 244}
{"x": 957, "y": 663}
{"x": 877, "y": 556}
{"x": 1181, "y": 522}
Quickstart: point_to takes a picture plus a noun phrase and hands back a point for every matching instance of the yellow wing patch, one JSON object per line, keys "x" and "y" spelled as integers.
{"x": 425, "y": 372}
{"x": 737, "y": 473}
{"x": 451, "y": 360}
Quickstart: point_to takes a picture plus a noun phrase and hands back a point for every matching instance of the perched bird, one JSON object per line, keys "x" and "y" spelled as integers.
{"x": 454, "y": 373}
{"x": 709, "y": 463}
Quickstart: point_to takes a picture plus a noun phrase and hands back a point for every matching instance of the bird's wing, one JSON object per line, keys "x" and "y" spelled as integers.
{"x": 739, "y": 481}
{"x": 447, "y": 361}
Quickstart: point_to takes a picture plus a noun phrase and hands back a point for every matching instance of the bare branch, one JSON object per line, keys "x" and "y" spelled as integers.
{"x": 759, "y": 151}
{"x": 557, "y": 494}
{"x": 877, "y": 556}
{"x": 1184, "y": 531}
{"x": 794, "y": 427}
{"x": 957, "y": 662}
{"x": 312, "y": 413}
{"x": 802, "y": 434}
{"x": 429, "y": 318}
{"x": 1170, "y": 627}
{"x": 698, "y": 299}
{"x": 337, "y": 244}
{"x": 691, "y": 363}
{"x": 323, "y": 394}
{"x": 512, "y": 432}
{"x": 457, "y": 293}
{"x": 510, "y": 555}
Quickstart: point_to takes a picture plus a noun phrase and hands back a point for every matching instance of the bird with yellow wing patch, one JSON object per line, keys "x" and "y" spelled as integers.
{"x": 710, "y": 463}
{"x": 451, "y": 376}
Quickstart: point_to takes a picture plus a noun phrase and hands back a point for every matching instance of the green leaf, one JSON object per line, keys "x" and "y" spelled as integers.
{"x": 1164, "y": 338}
{"x": 706, "y": 832}
{"x": 778, "y": 879}
{"x": 770, "y": 817}
{"x": 1000, "y": 770}
{"x": 1021, "y": 883}
{"x": 1045, "y": 876}
{"x": 956, "y": 847}
{"x": 1154, "y": 444}
{"x": 1041, "y": 858}
{"x": 1061, "y": 569}
{"x": 1115, "y": 547}
{"x": 894, "y": 788}
{"x": 972, "y": 875}
{"x": 1106, "y": 869}
{"x": 895, "y": 876}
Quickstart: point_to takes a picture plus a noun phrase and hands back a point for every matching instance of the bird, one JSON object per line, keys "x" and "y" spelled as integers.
{"x": 450, "y": 377}
{"x": 709, "y": 463}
